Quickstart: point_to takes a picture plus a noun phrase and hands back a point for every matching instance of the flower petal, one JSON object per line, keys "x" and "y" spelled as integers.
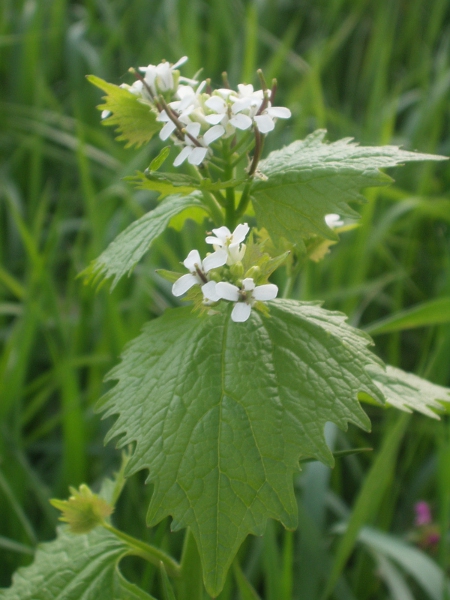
{"x": 245, "y": 89}
{"x": 193, "y": 129}
{"x": 225, "y": 92}
{"x": 186, "y": 101}
{"x": 333, "y": 220}
{"x": 227, "y": 291}
{"x": 264, "y": 123}
{"x": 216, "y": 104}
{"x": 182, "y": 156}
{"x": 215, "y": 260}
{"x": 192, "y": 261}
{"x": 197, "y": 156}
{"x": 180, "y": 62}
{"x": 240, "y": 233}
{"x": 241, "y": 122}
{"x": 210, "y": 239}
{"x": 213, "y": 134}
{"x": 248, "y": 284}
{"x": 241, "y": 312}
{"x": 167, "y": 130}
{"x": 182, "y": 285}
{"x": 209, "y": 291}
{"x": 235, "y": 253}
{"x": 268, "y": 291}
{"x": 214, "y": 119}
{"x": 279, "y": 112}
{"x": 163, "y": 116}
{"x": 241, "y": 104}
{"x": 223, "y": 233}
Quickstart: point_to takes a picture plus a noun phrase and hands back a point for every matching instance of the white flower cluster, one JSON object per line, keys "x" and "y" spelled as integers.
{"x": 201, "y": 116}
{"x": 229, "y": 249}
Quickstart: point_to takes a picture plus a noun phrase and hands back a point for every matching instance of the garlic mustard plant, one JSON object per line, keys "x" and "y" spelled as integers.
{"x": 223, "y": 396}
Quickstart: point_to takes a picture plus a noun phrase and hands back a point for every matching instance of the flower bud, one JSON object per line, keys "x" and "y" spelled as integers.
{"x": 237, "y": 270}
{"x": 84, "y": 510}
{"x": 253, "y": 273}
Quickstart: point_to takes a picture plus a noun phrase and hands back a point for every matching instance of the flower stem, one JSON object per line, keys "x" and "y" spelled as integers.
{"x": 243, "y": 202}
{"x": 244, "y": 153}
{"x": 213, "y": 204}
{"x": 259, "y": 142}
{"x": 230, "y": 210}
{"x": 147, "y": 552}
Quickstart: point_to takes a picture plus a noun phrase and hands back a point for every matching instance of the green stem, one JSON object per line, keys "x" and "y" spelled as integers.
{"x": 147, "y": 552}
{"x": 259, "y": 143}
{"x": 230, "y": 210}
{"x": 213, "y": 204}
{"x": 244, "y": 153}
{"x": 245, "y": 199}
{"x": 248, "y": 136}
{"x": 212, "y": 165}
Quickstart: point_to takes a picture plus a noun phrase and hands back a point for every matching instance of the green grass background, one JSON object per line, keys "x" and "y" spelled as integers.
{"x": 376, "y": 71}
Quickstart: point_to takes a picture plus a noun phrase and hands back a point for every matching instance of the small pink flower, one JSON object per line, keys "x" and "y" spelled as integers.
{"x": 423, "y": 513}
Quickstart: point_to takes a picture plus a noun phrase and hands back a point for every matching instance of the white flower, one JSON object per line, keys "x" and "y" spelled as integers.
{"x": 198, "y": 270}
{"x": 333, "y": 220}
{"x": 160, "y": 78}
{"x": 231, "y": 242}
{"x": 169, "y": 126}
{"x": 265, "y": 122}
{"x": 247, "y": 98}
{"x": 246, "y": 297}
{"x": 194, "y": 154}
{"x": 229, "y": 116}
{"x": 135, "y": 88}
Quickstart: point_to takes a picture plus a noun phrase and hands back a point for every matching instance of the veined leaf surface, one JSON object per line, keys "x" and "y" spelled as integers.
{"x": 72, "y": 567}
{"x": 409, "y": 392}
{"x": 310, "y": 178}
{"x": 135, "y": 120}
{"x": 131, "y": 245}
{"x": 221, "y": 412}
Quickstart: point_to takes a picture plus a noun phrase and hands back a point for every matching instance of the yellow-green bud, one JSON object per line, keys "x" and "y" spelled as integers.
{"x": 237, "y": 270}
{"x": 253, "y": 273}
{"x": 84, "y": 510}
{"x": 215, "y": 275}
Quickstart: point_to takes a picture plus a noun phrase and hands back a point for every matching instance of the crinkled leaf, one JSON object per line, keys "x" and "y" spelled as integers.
{"x": 409, "y": 392}
{"x": 129, "y": 246}
{"x": 135, "y": 120}
{"x": 309, "y": 179}
{"x": 222, "y": 412}
{"x": 176, "y": 183}
{"x": 72, "y": 567}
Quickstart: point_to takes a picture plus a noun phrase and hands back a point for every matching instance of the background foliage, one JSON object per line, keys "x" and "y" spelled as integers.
{"x": 377, "y": 71}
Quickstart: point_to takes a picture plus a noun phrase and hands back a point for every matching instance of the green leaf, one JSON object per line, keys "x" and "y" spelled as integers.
{"x": 160, "y": 159}
{"x": 309, "y": 179}
{"x": 176, "y": 183}
{"x": 168, "y": 593}
{"x": 222, "y": 412}
{"x": 164, "y": 183}
{"x": 433, "y": 312}
{"x": 409, "y": 392}
{"x": 135, "y": 120}
{"x": 129, "y": 247}
{"x": 71, "y": 567}
{"x": 245, "y": 588}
